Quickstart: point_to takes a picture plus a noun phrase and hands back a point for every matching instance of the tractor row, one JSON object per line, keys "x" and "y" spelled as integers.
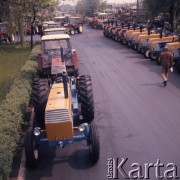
{"x": 146, "y": 41}
{"x": 71, "y": 24}
{"x": 63, "y": 101}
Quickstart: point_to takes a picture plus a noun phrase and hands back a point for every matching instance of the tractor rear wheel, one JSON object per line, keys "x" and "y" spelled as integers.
{"x": 86, "y": 98}
{"x": 40, "y": 94}
{"x": 94, "y": 145}
{"x": 31, "y": 150}
{"x": 80, "y": 29}
{"x": 178, "y": 66}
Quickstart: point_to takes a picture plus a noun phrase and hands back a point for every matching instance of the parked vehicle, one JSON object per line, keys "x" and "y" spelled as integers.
{"x": 63, "y": 102}
{"x": 50, "y": 31}
{"x": 156, "y": 47}
{"x": 74, "y": 25}
{"x": 174, "y": 48}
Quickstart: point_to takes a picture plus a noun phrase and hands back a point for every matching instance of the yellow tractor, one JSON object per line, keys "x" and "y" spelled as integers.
{"x": 174, "y": 48}
{"x": 156, "y": 47}
{"x": 63, "y": 104}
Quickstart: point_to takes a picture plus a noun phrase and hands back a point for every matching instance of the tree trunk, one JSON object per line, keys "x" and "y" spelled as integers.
{"x": 21, "y": 30}
{"x": 172, "y": 12}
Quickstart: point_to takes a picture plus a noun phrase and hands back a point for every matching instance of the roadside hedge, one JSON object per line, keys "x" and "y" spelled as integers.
{"x": 12, "y": 111}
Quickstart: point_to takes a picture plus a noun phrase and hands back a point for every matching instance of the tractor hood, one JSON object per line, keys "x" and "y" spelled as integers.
{"x": 58, "y": 114}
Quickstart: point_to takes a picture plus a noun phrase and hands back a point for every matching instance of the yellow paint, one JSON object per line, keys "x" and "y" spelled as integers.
{"x": 173, "y": 45}
{"x": 59, "y": 127}
{"x": 161, "y": 40}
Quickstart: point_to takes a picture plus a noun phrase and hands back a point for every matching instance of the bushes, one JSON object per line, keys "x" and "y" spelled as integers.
{"x": 12, "y": 111}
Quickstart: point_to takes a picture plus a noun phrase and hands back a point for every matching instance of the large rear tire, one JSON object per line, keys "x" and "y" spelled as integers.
{"x": 31, "y": 150}
{"x": 94, "y": 144}
{"x": 178, "y": 66}
{"x": 40, "y": 94}
{"x": 80, "y": 29}
{"x": 86, "y": 98}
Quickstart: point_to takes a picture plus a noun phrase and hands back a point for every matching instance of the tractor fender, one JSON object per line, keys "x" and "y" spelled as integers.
{"x": 40, "y": 62}
{"x": 75, "y": 59}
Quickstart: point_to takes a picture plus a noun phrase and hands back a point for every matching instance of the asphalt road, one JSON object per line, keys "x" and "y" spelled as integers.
{"x": 137, "y": 118}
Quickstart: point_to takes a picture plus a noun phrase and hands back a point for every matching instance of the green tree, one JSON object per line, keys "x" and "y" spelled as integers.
{"x": 89, "y": 7}
{"x": 17, "y": 12}
{"x": 154, "y": 8}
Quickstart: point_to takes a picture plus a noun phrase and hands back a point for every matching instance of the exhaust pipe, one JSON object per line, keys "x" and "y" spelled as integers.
{"x": 122, "y": 25}
{"x": 134, "y": 26}
{"x": 141, "y": 28}
{"x": 128, "y": 26}
{"x": 149, "y": 30}
{"x": 61, "y": 48}
{"x": 65, "y": 84}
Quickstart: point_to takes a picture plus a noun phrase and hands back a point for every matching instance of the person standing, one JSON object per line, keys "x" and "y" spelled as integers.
{"x": 166, "y": 61}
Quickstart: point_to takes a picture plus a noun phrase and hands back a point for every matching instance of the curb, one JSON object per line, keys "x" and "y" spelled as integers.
{"x": 22, "y": 169}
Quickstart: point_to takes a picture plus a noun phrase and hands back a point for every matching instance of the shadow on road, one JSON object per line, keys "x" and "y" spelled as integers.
{"x": 79, "y": 160}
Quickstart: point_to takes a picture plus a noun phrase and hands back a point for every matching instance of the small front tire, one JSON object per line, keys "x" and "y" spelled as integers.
{"x": 94, "y": 144}
{"x": 31, "y": 150}
{"x": 72, "y": 32}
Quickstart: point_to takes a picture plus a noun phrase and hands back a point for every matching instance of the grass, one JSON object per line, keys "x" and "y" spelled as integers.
{"x": 12, "y": 109}
{"x": 12, "y": 58}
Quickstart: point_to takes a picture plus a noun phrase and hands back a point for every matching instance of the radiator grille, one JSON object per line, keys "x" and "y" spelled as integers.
{"x": 57, "y": 116}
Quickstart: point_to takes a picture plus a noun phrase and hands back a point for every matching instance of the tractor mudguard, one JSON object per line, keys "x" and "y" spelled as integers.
{"x": 75, "y": 59}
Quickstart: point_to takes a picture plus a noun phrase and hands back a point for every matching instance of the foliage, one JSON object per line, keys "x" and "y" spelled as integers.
{"x": 154, "y": 8}
{"x": 18, "y": 13}
{"x": 12, "y": 111}
{"x": 88, "y": 7}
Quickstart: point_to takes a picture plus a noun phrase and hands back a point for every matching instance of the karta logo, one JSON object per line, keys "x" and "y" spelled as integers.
{"x": 116, "y": 170}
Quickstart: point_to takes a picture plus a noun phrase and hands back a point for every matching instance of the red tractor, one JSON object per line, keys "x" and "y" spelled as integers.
{"x": 74, "y": 24}
{"x": 57, "y": 51}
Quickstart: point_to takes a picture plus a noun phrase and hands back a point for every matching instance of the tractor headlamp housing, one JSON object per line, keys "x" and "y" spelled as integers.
{"x": 37, "y": 131}
{"x": 81, "y": 127}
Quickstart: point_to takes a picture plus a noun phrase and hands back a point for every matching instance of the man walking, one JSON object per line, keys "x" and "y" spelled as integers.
{"x": 166, "y": 61}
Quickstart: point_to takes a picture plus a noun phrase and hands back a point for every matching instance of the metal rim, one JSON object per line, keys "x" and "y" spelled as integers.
{"x": 80, "y": 29}
{"x": 72, "y": 31}
{"x": 147, "y": 53}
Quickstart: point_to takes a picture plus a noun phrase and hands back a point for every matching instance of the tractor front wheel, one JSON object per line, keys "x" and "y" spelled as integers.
{"x": 153, "y": 57}
{"x": 146, "y": 54}
{"x": 72, "y": 32}
{"x": 31, "y": 150}
{"x": 94, "y": 145}
{"x": 86, "y": 98}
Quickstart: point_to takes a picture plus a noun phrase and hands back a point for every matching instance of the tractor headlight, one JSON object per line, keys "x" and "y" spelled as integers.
{"x": 37, "y": 131}
{"x": 81, "y": 127}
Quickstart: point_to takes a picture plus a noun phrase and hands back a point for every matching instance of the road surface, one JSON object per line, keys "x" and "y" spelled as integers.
{"x": 136, "y": 116}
